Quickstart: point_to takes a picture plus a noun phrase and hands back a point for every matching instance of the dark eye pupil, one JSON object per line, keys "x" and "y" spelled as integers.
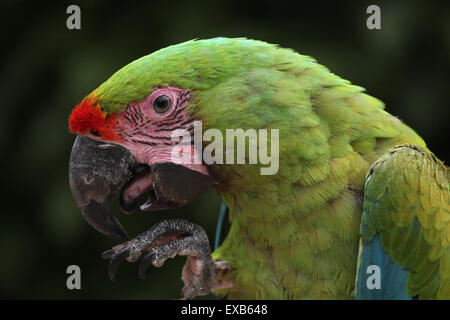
{"x": 161, "y": 104}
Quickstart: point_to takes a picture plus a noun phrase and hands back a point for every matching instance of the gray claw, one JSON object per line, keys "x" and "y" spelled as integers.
{"x": 146, "y": 261}
{"x": 108, "y": 254}
{"x": 116, "y": 259}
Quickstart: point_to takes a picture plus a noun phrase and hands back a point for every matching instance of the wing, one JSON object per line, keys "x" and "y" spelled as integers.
{"x": 405, "y": 228}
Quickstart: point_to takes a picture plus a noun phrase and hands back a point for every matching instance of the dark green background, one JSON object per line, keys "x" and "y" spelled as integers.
{"x": 47, "y": 69}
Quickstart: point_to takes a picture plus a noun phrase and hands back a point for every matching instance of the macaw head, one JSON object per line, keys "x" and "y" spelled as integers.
{"x": 126, "y": 127}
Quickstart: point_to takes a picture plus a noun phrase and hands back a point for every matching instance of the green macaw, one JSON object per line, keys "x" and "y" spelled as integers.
{"x": 359, "y": 207}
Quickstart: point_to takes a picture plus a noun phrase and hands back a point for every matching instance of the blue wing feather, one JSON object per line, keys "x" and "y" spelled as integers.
{"x": 220, "y": 225}
{"x": 393, "y": 277}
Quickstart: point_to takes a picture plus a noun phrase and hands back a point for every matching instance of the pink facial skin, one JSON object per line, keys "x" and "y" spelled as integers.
{"x": 147, "y": 133}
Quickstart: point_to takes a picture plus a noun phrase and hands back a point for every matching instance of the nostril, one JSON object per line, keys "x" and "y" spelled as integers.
{"x": 94, "y": 133}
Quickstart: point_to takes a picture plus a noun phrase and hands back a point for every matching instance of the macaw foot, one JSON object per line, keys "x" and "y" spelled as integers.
{"x": 166, "y": 240}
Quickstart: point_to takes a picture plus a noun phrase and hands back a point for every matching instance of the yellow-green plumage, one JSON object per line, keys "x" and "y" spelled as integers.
{"x": 296, "y": 234}
{"x": 409, "y": 187}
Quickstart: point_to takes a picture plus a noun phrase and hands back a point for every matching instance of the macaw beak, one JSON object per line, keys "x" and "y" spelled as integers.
{"x": 98, "y": 171}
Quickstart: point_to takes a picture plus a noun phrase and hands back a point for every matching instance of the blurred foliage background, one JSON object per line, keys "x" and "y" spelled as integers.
{"x": 47, "y": 69}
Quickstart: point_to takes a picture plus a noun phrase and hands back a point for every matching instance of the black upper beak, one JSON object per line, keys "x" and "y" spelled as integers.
{"x": 99, "y": 170}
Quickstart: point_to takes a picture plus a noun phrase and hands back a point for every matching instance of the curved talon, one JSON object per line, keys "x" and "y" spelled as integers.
{"x": 146, "y": 261}
{"x": 108, "y": 254}
{"x": 116, "y": 259}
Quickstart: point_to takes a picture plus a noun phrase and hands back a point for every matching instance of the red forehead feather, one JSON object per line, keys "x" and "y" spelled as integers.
{"x": 87, "y": 117}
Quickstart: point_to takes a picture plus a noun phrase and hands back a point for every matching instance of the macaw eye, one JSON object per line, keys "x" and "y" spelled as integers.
{"x": 162, "y": 104}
